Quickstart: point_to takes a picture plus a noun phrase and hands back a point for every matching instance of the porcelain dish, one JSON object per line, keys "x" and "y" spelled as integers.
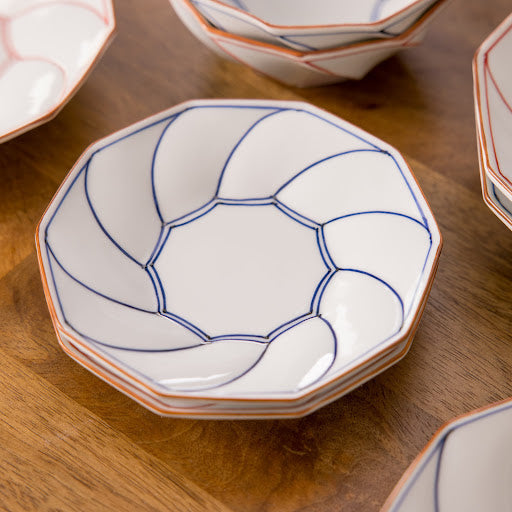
{"x": 466, "y": 466}
{"x": 47, "y": 48}
{"x": 216, "y": 274}
{"x": 303, "y": 68}
{"x": 492, "y": 76}
{"x": 313, "y": 25}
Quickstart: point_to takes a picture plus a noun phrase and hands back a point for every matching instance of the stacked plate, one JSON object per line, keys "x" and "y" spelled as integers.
{"x": 313, "y": 43}
{"x": 238, "y": 258}
{"x": 46, "y": 51}
{"x": 466, "y": 466}
{"x": 493, "y": 105}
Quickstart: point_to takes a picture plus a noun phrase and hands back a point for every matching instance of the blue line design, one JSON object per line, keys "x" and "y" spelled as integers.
{"x": 383, "y": 212}
{"x": 256, "y": 123}
{"x": 325, "y": 159}
{"x": 153, "y": 189}
{"x": 319, "y": 290}
{"x": 167, "y": 228}
{"x": 101, "y": 226}
{"x": 377, "y": 8}
{"x": 54, "y": 257}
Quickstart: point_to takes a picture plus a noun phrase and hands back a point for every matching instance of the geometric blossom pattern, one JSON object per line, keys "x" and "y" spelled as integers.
{"x": 238, "y": 248}
{"x": 46, "y": 48}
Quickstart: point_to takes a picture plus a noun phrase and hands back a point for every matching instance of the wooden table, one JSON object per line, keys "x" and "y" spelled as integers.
{"x": 68, "y": 441}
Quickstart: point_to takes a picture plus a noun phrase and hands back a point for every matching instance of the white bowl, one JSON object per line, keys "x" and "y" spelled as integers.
{"x": 303, "y": 69}
{"x": 465, "y": 467}
{"x": 46, "y": 51}
{"x": 492, "y": 75}
{"x": 179, "y": 257}
{"x": 313, "y": 25}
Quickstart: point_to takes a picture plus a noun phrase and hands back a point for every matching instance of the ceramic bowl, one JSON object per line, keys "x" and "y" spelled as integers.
{"x": 466, "y": 466}
{"x": 493, "y": 107}
{"x": 46, "y": 51}
{"x": 303, "y": 68}
{"x": 183, "y": 261}
{"x": 313, "y": 26}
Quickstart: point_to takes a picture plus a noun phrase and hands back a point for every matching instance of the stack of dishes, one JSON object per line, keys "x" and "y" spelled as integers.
{"x": 238, "y": 258}
{"x": 493, "y": 105}
{"x": 46, "y": 51}
{"x": 313, "y": 43}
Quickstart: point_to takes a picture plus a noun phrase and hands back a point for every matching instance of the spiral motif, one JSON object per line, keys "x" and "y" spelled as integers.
{"x": 46, "y": 48}
{"x": 241, "y": 248}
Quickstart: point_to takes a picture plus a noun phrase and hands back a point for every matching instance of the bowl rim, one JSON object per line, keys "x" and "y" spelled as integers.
{"x": 369, "y": 25}
{"x": 404, "y": 334}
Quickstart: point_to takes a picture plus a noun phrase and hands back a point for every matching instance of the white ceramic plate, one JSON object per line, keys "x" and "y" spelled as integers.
{"x": 493, "y": 105}
{"x": 303, "y": 68}
{"x": 234, "y": 250}
{"x": 466, "y": 467}
{"x": 47, "y": 47}
{"x": 310, "y": 26}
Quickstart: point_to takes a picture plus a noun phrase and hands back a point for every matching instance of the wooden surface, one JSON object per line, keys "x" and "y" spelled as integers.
{"x": 68, "y": 441}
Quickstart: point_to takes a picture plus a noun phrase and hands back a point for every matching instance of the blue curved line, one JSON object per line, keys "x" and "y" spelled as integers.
{"x": 250, "y": 201}
{"x": 184, "y": 323}
{"x": 209, "y": 206}
{"x": 322, "y": 160}
{"x": 384, "y": 212}
{"x": 153, "y": 188}
{"x": 96, "y": 218}
{"x": 162, "y": 229}
{"x": 319, "y": 290}
{"x": 288, "y": 325}
{"x": 438, "y": 471}
{"x": 359, "y": 137}
{"x": 296, "y": 216}
{"x": 425, "y": 222}
{"x": 64, "y": 198}
{"x": 277, "y": 111}
{"x": 50, "y": 251}
{"x": 335, "y": 339}
{"x": 139, "y": 350}
{"x": 160, "y": 248}
{"x": 206, "y": 205}
{"x": 245, "y": 337}
{"x": 155, "y": 288}
{"x": 324, "y": 250}
{"x": 357, "y": 271}
{"x": 209, "y": 17}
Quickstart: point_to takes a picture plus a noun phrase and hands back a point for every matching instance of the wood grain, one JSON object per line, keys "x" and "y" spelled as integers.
{"x": 68, "y": 441}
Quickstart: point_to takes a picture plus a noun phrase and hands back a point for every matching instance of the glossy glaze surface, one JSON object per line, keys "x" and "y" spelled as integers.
{"x": 232, "y": 272}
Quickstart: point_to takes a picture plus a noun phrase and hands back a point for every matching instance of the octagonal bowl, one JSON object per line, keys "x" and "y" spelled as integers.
{"x": 492, "y": 76}
{"x": 313, "y": 25}
{"x": 303, "y": 68}
{"x": 47, "y": 48}
{"x": 238, "y": 258}
{"x": 466, "y": 466}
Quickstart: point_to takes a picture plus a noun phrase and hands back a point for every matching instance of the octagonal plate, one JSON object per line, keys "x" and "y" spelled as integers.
{"x": 47, "y": 48}
{"x": 241, "y": 251}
